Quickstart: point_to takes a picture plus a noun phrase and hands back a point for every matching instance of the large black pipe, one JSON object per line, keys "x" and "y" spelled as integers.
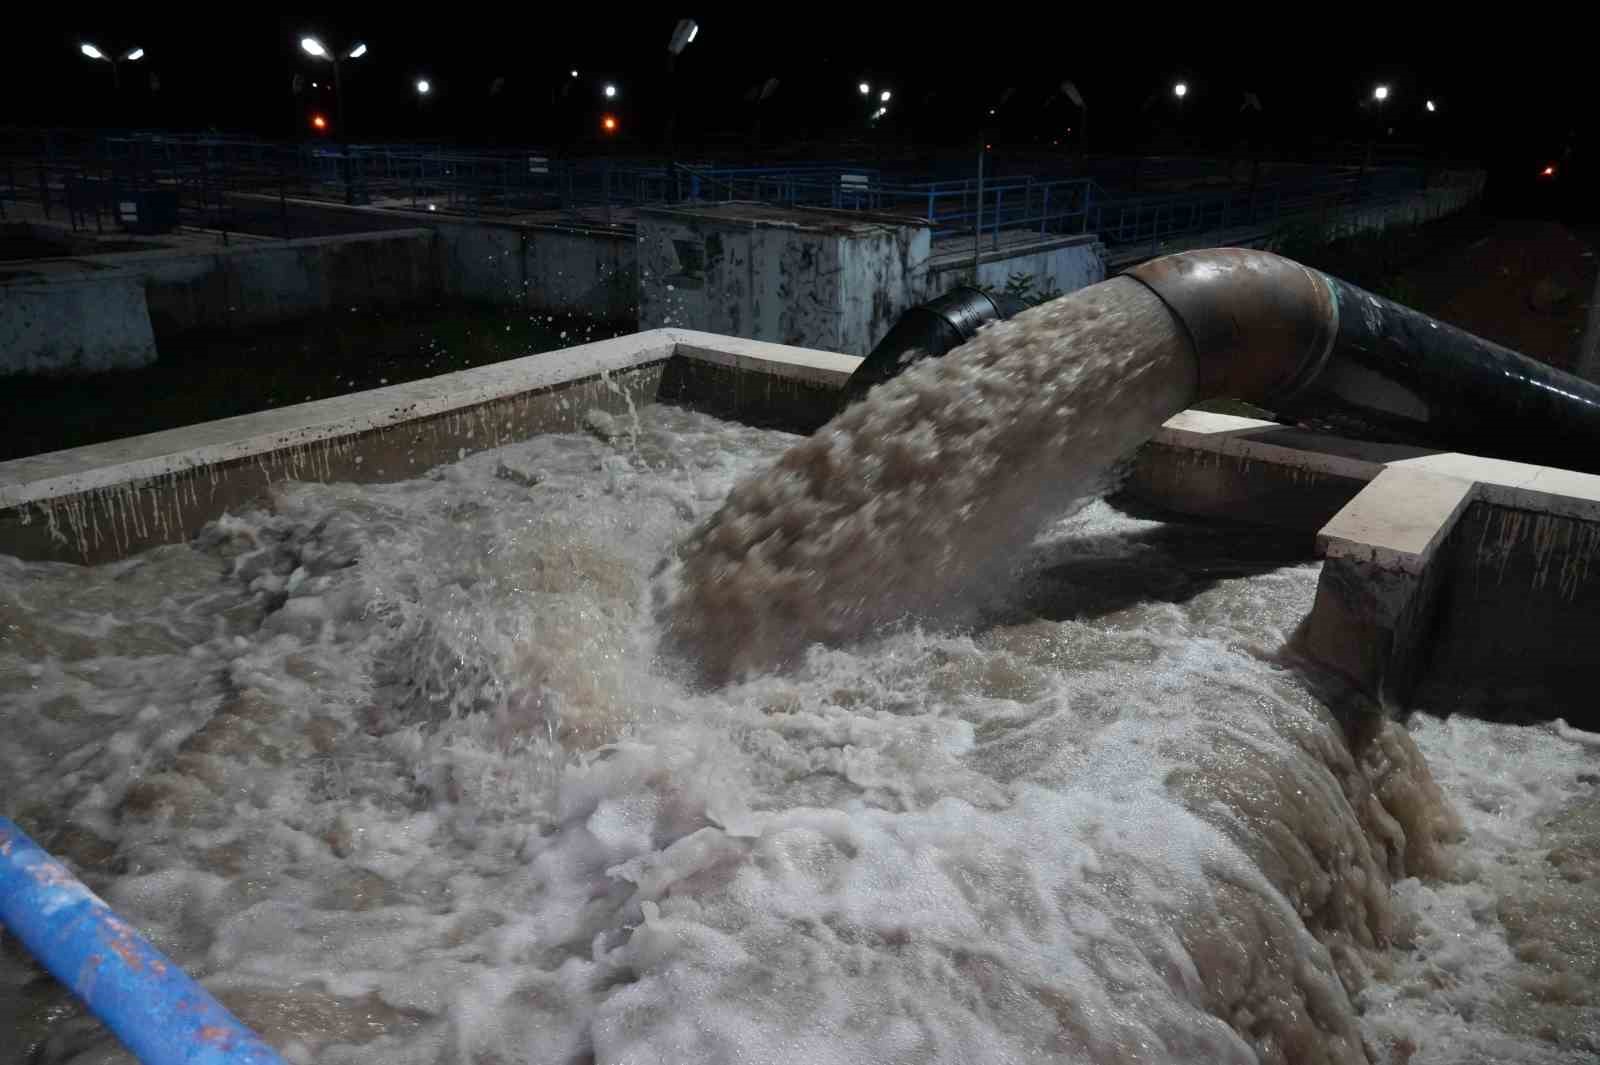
{"x": 928, "y": 331}
{"x": 1317, "y": 350}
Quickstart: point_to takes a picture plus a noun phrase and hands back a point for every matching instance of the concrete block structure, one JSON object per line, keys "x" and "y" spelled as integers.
{"x": 834, "y": 280}
{"x": 1451, "y": 581}
{"x": 1048, "y": 264}
{"x": 79, "y": 323}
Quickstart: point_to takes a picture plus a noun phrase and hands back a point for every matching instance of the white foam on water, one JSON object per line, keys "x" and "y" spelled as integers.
{"x": 1501, "y": 960}
{"x": 395, "y": 770}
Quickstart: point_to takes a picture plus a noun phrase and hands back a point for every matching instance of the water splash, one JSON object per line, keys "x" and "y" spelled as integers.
{"x": 915, "y": 502}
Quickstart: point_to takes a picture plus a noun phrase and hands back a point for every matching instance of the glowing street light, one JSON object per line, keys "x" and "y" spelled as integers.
{"x": 572, "y": 73}
{"x": 609, "y": 123}
{"x": 1380, "y": 93}
{"x": 1431, "y": 108}
{"x": 317, "y": 50}
{"x": 864, "y": 89}
{"x": 610, "y": 91}
{"x": 1181, "y": 89}
{"x": 683, "y": 36}
{"x": 132, "y": 55}
{"x": 319, "y": 123}
{"x": 883, "y": 97}
{"x": 423, "y": 88}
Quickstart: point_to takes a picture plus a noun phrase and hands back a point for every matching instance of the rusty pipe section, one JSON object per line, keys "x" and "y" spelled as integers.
{"x": 1261, "y": 326}
{"x": 1316, "y": 350}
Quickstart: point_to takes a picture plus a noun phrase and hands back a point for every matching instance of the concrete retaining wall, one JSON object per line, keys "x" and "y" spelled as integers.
{"x": 1060, "y": 265}
{"x": 1463, "y": 190}
{"x": 276, "y": 281}
{"x": 1449, "y": 581}
{"x": 107, "y": 501}
{"x": 75, "y": 324}
{"x": 546, "y": 270}
{"x": 830, "y": 280}
{"x": 108, "y": 312}
{"x": 580, "y": 270}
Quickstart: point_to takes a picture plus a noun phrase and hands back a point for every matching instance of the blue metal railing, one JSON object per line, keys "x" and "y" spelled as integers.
{"x": 209, "y": 171}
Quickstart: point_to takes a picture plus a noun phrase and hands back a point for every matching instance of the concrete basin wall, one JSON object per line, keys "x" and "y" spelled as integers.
{"x": 75, "y": 324}
{"x": 277, "y": 281}
{"x": 560, "y": 269}
{"x": 107, "y": 501}
{"x": 111, "y": 311}
{"x": 1050, "y": 265}
{"x": 832, "y": 280}
{"x": 546, "y": 270}
{"x": 1449, "y": 581}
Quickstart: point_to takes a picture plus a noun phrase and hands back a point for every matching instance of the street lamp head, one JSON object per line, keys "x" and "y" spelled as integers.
{"x": 883, "y": 97}
{"x": 313, "y": 47}
{"x": 864, "y": 89}
{"x": 1380, "y": 93}
{"x": 572, "y": 73}
{"x": 91, "y": 51}
{"x": 423, "y": 88}
{"x": 133, "y": 55}
{"x": 610, "y": 91}
{"x": 1431, "y": 108}
{"x": 1181, "y": 89}
{"x": 683, "y": 35}
{"x": 357, "y": 52}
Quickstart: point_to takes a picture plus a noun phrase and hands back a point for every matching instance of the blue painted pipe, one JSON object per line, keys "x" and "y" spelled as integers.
{"x": 153, "y": 1006}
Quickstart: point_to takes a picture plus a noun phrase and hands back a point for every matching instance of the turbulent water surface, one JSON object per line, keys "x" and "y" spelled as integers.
{"x": 402, "y": 773}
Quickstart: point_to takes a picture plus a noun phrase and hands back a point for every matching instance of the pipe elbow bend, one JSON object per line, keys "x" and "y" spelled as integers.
{"x": 1261, "y": 326}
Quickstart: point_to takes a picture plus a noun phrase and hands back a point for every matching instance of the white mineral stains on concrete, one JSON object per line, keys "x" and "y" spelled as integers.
{"x": 141, "y": 458}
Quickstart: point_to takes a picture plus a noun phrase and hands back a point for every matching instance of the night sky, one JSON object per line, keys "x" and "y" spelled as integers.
{"x": 1508, "y": 95}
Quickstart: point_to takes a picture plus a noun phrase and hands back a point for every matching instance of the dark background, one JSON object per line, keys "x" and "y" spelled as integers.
{"x": 1512, "y": 95}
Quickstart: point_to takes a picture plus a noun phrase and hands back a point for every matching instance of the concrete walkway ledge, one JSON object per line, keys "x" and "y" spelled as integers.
{"x": 1450, "y": 581}
{"x": 107, "y": 501}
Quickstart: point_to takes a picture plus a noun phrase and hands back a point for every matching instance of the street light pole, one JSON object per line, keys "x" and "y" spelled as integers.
{"x": 132, "y": 55}
{"x": 1380, "y": 93}
{"x": 315, "y": 48}
{"x": 683, "y": 36}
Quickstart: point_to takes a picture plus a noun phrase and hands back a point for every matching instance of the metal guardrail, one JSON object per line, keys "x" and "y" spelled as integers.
{"x": 1072, "y": 206}
{"x": 79, "y": 174}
